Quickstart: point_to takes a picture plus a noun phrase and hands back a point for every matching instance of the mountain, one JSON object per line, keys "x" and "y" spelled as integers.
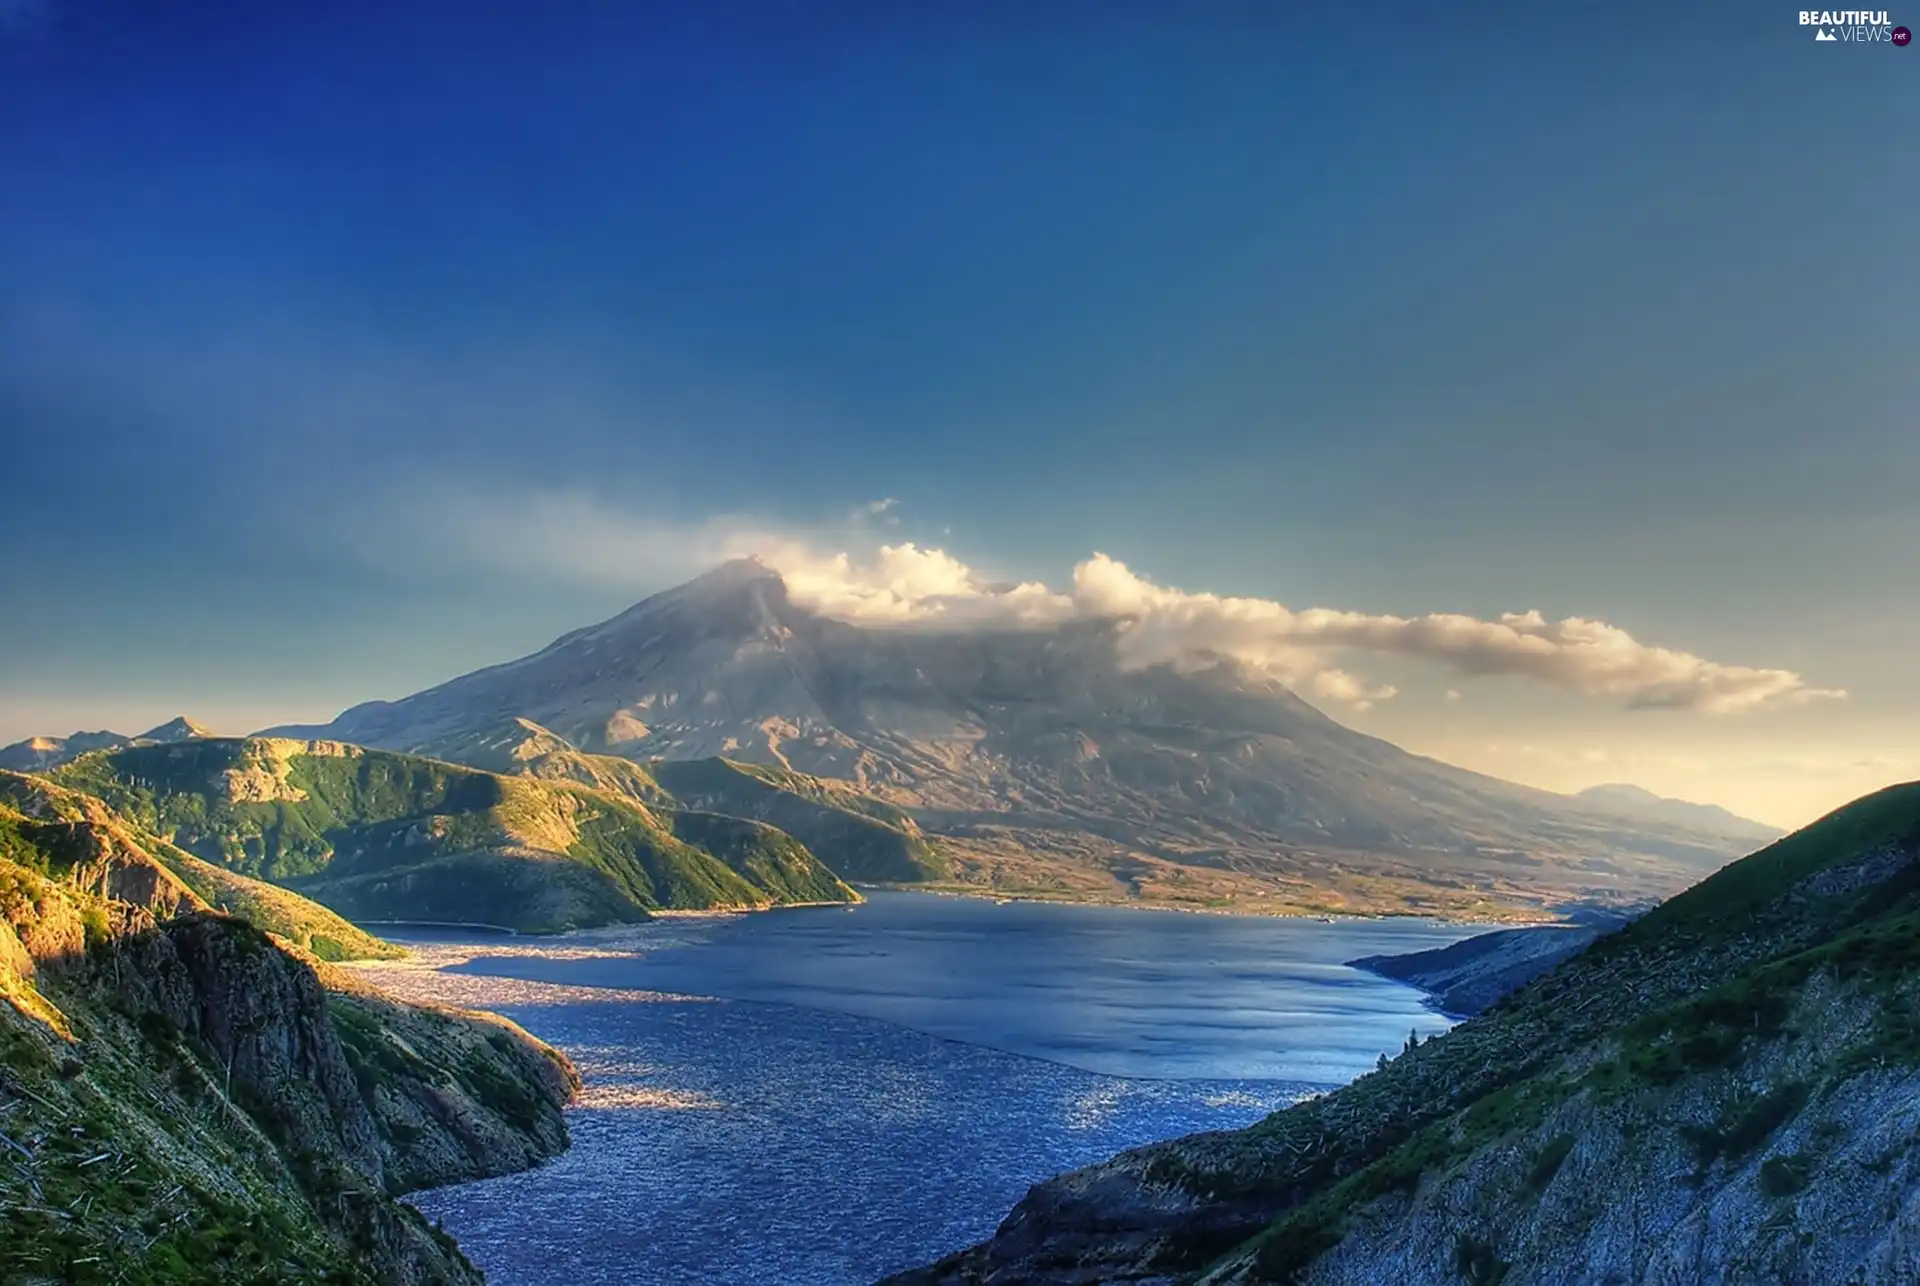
{"x": 380, "y": 836}
{"x": 186, "y": 1099}
{"x": 173, "y": 730}
{"x": 37, "y": 754}
{"x": 1725, "y": 1090}
{"x": 1635, "y": 801}
{"x": 1036, "y": 762}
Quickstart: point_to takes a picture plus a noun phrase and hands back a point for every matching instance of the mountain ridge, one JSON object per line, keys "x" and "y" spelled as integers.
{"x": 1040, "y": 764}
{"x": 40, "y": 753}
{"x": 1639, "y": 801}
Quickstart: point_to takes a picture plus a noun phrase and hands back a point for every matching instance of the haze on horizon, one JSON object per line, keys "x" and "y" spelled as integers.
{"x": 345, "y": 349}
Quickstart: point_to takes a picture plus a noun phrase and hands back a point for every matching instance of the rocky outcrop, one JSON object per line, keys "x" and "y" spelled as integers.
{"x": 1724, "y": 1090}
{"x": 454, "y": 1094}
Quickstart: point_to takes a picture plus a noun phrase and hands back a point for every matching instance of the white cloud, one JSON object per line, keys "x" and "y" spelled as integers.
{"x": 559, "y": 534}
{"x": 904, "y": 585}
{"x": 907, "y": 585}
{"x": 1338, "y": 685}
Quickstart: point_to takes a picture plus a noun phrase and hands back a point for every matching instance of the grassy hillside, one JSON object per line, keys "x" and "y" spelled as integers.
{"x": 764, "y": 855}
{"x": 384, "y": 836}
{"x": 860, "y": 838}
{"x": 184, "y": 1100}
{"x": 41, "y": 817}
{"x": 857, "y": 837}
{"x": 520, "y": 747}
{"x": 1728, "y": 1089}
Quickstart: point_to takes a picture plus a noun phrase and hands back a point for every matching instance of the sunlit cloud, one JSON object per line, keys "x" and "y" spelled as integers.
{"x": 841, "y": 571}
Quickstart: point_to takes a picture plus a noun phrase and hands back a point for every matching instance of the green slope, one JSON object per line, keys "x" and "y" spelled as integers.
{"x": 764, "y": 855}
{"x": 184, "y": 1101}
{"x": 383, "y": 836}
{"x": 857, "y": 837}
{"x": 522, "y": 748}
{"x": 1731, "y": 1082}
{"x": 48, "y": 818}
{"x": 860, "y": 838}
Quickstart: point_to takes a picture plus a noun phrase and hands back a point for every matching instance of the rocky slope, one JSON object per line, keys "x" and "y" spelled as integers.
{"x": 1470, "y": 976}
{"x": 381, "y": 836}
{"x": 1040, "y": 764}
{"x": 1725, "y": 1090}
{"x": 184, "y": 1098}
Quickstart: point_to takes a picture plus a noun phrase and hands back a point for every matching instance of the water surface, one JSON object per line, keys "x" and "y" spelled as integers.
{"x": 857, "y": 1090}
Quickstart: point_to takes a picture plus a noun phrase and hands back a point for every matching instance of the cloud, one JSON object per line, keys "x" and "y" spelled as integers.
{"x": 563, "y": 535}
{"x": 1453, "y": 694}
{"x": 1338, "y": 685}
{"x": 906, "y": 586}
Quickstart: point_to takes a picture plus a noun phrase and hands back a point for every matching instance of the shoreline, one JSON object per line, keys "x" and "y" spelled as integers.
{"x": 677, "y": 913}
{"x": 444, "y": 924}
{"x": 978, "y": 895}
{"x": 947, "y": 891}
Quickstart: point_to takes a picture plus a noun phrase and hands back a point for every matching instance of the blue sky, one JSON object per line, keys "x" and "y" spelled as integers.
{"x": 1606, "y": 312}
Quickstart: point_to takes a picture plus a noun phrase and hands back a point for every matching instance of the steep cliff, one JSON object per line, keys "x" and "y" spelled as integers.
{"x": 1725, "y": 1090}
{"x": 185, "y": 1098}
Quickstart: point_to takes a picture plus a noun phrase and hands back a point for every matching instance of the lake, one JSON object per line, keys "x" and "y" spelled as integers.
{"x": 820, "y": 1096}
